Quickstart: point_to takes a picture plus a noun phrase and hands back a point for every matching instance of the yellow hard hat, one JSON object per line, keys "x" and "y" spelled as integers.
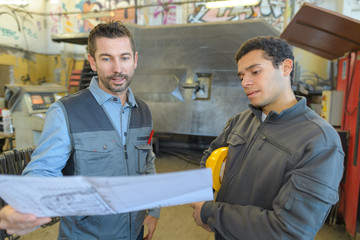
{"x": 216, "y": 162}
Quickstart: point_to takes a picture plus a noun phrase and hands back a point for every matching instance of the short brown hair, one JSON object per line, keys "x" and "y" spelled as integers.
{"x": 113, "y": 29}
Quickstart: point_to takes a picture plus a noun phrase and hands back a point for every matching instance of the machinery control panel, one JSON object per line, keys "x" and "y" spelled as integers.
{"x": 332, "y": 106}
{"x": 28, "y": 105}
{"x": 40, "y": 102}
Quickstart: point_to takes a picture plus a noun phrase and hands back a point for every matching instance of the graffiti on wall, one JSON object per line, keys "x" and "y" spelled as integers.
{"x": 29, "y": 32}
{"x": 271, "y": 10}
{"x": 167, "y": 11}
{"x": 5, "y": 32}
{"x": 117, "y": 10}
{"x": 19, "y": 24}
{"x": 56, "y": 16}
{"x": 90, "y": 13}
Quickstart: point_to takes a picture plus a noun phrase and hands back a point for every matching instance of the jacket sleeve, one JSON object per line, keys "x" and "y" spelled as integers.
{"x": 299, "y": 209}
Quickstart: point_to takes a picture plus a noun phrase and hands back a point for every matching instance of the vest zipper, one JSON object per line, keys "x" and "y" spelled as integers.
{"x": 130, "y": 226}
{"x": 126, "y": 154}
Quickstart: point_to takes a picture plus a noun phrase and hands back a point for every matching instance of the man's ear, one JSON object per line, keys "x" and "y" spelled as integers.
{"x": 92, "y": 62}
{"x": 287, "y": 66}
{"x": 136, "y": 59}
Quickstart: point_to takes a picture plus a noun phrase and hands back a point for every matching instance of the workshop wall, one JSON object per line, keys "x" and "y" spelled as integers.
{"x": 315, "y": 71}
{"x": 24, "y": 27}
{"x": 34, "y": 68}
{"x": 28, "y": 28}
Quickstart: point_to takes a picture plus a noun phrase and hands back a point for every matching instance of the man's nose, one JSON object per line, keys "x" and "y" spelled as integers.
{"x": 246, "y": 81}
{"x": 117, "y": 66}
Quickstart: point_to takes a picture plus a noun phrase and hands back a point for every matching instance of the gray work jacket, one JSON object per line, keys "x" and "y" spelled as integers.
{"x": 281, "y": 176}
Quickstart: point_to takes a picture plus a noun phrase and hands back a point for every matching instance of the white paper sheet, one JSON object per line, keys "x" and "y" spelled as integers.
{"x": 77, "y": 195}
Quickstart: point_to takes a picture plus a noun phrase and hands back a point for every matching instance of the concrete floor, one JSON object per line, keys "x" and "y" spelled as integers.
{"x": 176, "y": 223}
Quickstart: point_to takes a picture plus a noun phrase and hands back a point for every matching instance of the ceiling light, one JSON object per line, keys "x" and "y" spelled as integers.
{"x": 233, "y": 3}
{"x": 14, "y": 2}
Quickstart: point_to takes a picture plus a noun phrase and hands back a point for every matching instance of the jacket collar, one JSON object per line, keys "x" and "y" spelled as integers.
{"x": 286, "y": 114}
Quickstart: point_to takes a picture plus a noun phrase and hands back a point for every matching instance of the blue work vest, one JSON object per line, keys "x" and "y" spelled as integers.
{"x": 98, "y": 151}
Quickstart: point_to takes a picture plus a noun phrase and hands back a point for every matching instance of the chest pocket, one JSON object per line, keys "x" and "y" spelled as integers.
{"x": 141, "y": 153}
{"x": 236, "y": 145}
{"x": 235, "y": 140}
{"x": 276, "y": 149}
{"x": 96, "y": 157}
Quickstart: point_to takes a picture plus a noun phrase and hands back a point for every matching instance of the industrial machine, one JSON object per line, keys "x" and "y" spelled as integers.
{"x": 332, "y": 106}
{"x": 187, "y": 74}
{"x": 349, "y": 83}
{"x": 28, "y": 105}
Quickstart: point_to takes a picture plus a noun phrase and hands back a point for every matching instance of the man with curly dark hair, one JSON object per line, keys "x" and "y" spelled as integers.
{"x": 284, "y": 162}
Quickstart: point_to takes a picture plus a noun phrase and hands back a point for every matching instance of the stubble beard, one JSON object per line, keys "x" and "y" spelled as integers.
{"x": 116, "y": 88}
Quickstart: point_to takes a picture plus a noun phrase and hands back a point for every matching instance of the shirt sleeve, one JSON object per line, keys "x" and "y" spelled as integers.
{"x": 54, "y": 147}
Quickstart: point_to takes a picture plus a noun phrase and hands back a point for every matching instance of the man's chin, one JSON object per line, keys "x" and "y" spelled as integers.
{"x": 256, "y": 105}
{"x": 118, "y": 90}
{"x": 119, "y": 87}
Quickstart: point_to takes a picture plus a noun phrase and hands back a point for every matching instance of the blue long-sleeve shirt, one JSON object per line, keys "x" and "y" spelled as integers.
{"x": 54, "y": 147}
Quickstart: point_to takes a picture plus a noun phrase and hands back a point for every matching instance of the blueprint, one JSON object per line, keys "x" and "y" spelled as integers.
{"x": 79, "y": 195}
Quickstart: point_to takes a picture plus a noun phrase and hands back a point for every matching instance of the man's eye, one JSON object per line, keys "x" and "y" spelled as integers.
{"x": 106, "y": 59}
{"x": 256, "y": 72}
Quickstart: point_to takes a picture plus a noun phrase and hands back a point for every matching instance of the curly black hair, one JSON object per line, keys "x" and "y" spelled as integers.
{"x": 275, "y": 49}
{"x": 113, "y": 29}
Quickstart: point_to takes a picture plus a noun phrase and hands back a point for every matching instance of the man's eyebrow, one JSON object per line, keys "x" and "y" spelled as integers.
{"x": 249, "y": 67}
{"x": 109, "y": 55}
{"x": 253, "y": 65}
{"x": 126, "y": 53}
{"x": 104, "y": 54}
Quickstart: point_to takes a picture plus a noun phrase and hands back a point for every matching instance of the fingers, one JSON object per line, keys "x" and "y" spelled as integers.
{"x": 15, "y": 222}
{"x": 151, "y": 223}
{"x": 197, "y": 217}
{"x": 207, "y": 228}
{"x": 196, "y": 205}
{"x": 20, "y": 232}
{"x": 149, "y": 236}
